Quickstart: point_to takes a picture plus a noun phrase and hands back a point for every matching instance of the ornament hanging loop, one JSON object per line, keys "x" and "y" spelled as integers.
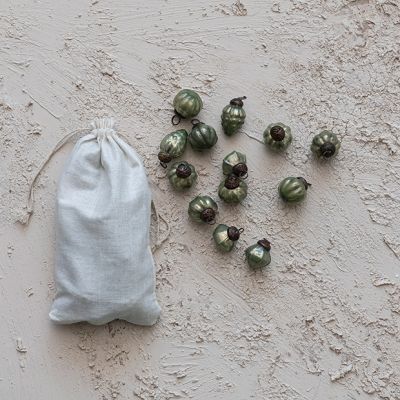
{"x": 241, "y": 230}
{"x": 176, "y": 119}
{"x": 163, "y": 164}
{"x": 195, "y": 121}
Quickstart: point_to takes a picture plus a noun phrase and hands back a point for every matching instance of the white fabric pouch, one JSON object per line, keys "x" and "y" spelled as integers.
{"x": 104, "y": 267}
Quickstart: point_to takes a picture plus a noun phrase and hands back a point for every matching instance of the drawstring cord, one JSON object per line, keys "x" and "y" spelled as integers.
{"x": 159, "y": 217}
{"x": 31, "y": 198}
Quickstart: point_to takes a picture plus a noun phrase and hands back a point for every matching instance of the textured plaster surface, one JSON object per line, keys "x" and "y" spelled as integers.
{"x": 323, "y": 321}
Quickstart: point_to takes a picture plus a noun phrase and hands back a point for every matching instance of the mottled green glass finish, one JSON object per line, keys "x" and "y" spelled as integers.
{"x": 257, "y": 256}
{"x": 198, "y": 205}
{"x": 325, "y": 145}
{"x": 232, "y": 118}
{"x": 174, "y": 144}
{"x": 232, "y": 159}
{"x": 202, "y": 136}
{"x": 179, "y": 182}
{"x": 235, "y": 195}
{"x": 221, "y": 238}
{"x": 187, "y": 103}
{"x": 278, "y": 144}
{"x": 293, "y": 190}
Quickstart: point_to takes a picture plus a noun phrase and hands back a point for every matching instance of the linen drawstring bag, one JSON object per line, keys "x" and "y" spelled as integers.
{"x": 104, "y": 267}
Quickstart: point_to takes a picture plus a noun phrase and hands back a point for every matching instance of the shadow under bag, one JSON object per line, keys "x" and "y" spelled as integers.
{"x": 104, "y": 266}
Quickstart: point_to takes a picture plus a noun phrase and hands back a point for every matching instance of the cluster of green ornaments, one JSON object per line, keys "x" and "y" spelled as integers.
{"x": 233, "y": 189}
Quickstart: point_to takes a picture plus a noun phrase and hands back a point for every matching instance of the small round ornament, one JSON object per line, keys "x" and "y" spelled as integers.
{"x": 203, "y": 209}
{"x": 202, "y": 136}
{"x": 187, "y": 104}
{"x": 182, "y": 175}
{"x": 278, "y": 136}
{"x": 226, "y": 236}
{"x": 232, "y": 189}
{"x": 258, "y": 255}
{"x": 293, "y": 190}
{"x": 235, "y": 163}
{"x": 172, "y": 146}
{"x": 325, "y": 145}
{"x": 233, "y": 116}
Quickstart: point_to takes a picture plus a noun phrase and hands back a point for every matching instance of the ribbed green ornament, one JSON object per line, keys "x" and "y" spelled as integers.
{"x": 203, "y": 209}
{"x": 233, "y": 116}
{"x": 232, "y": 189}
{"x": 325, "y": 145}
{"x": 293, "y": 190}
{"x": 258, "y": 255}
{"x": 187, "y": 104}
{"x": 226, "y": 236}
{"x": 202, "y": 136}
{"x": 235, "y": 163}
{"x": 277, "y": 136}
{"x": 172, "y": 146}
{"x": 182, "y": 175}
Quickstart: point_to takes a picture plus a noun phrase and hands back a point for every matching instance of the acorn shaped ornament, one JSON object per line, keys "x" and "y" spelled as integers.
{"x": 325, "y": 145}
{"x": 172, "y": 146}
{"x": 226, "y": 236}
{"x": 293, "y": 190}
{"x": 187, "y": 104}
{"x": 202, "y": 136}
{"x": 182, "y": 175}
{"x": 235, "y": 163}
{"x": 232, "y": 189}
{"x": 233, "y": 116}
{"x": 258, "y": 255}
{"x": 203, "y": 209}
{"x": 277, "y": 136}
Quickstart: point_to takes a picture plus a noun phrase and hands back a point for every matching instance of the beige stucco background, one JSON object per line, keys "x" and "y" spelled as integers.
{"x": 322, "y": 321}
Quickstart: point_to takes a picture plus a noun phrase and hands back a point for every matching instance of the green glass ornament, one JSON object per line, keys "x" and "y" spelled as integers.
{"x": 258, "y": 255}
{"x": 182, "y": 175}
{"x": 203, "y": 209}
{"x": 202, "y": 136}
{"x": 293, "y": 190}
{"x": 233, "y": 116}
{"x": 325, "y": 145}
{"x": 172, "y": 146}
{"x": 235, "y": 163}
{"x": 278, "y": 136}
{"x": 232, "y": 189}
{"x": 226, "y": 236}
{"x": 187, "y": 104}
